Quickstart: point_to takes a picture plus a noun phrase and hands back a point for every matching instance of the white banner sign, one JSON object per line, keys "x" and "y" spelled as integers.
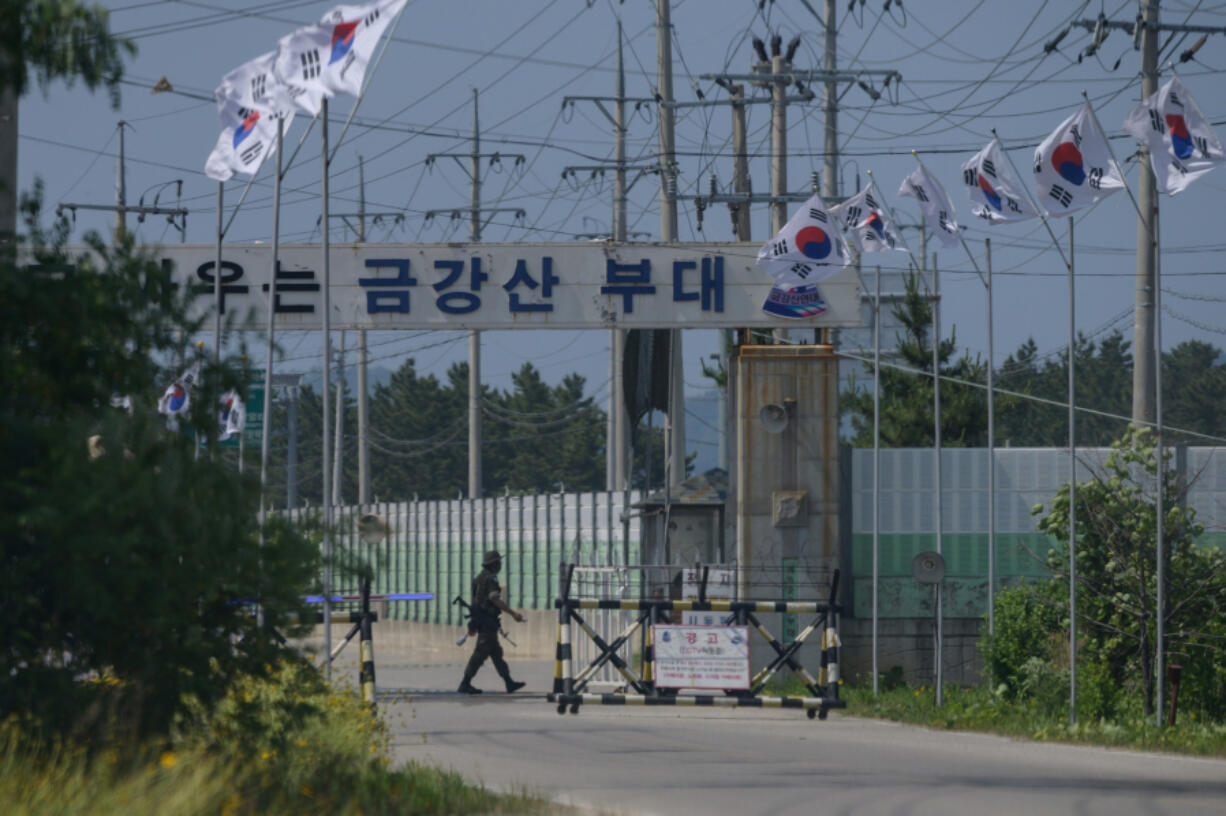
{"x": 701, "y": 657}
{"x": 721, "y": 584}
{"x": 501, "y": 286}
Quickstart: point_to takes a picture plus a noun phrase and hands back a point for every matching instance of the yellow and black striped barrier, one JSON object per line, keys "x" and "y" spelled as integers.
{"x": 644, "y": 604}
{"x": 568, "y": 689}
{"x": 817, "y": 706}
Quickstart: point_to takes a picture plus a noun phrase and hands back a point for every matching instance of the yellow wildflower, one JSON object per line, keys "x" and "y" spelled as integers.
{"x": 167, "y": 759}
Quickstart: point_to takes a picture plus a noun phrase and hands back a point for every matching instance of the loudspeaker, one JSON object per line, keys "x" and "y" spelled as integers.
{"x": 371, "y": 528}
{"x": 774, "y": 417}
{"x": 928, "y": 567}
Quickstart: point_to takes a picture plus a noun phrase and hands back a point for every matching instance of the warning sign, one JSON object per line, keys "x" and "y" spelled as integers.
{"x": 702, "y": 657}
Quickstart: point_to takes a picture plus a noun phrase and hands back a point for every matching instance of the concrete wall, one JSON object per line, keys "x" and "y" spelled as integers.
{"x": 907, "y": 643}
{"x": 786, "y": 483}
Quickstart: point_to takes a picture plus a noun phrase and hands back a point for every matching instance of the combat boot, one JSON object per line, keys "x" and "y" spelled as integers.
{"x": 467, "y": 688}
{"x": 514, "y": 686}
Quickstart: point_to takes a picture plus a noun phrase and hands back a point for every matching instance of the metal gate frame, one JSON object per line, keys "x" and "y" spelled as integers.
{"x": 568, "y": 690}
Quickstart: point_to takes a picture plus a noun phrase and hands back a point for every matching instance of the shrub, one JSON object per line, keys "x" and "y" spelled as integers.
{"x": 1025, "y": 622}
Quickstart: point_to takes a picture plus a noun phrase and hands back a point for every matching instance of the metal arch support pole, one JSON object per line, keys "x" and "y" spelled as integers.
{"x": 268, "y": 346}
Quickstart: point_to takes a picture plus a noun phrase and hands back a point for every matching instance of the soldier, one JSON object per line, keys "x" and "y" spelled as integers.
{"x": 487, "y": 604}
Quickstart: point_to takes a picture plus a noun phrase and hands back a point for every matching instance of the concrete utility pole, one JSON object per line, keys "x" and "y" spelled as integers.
{"x": 830, "y": 184}
{"x": 617, "y": 443}
{"x": 8, "y": 163}
{"x": 474, "y": 338}
{"x": 1143, "y": 394}
{"x": 740, "y": 162}
{"x": 675, "y": 470}
{"x": 475, "y": 210}
{"x": 121, "y": 188}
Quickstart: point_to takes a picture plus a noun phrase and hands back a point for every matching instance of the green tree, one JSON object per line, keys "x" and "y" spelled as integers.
{"x": 60, "y": 40}
{"x": 545, "y": 437}
{"x": 1116, "y": 576}
{"x": 1194, "y": 388}
{"x": 53, "y": 40}
{"x": 906, "y": 415}
{"x": 1103, "y": 382}
{"x": 135, "y": 565}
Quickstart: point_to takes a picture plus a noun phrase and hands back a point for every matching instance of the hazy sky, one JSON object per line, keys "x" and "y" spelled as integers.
{"x": 968, "y": 66}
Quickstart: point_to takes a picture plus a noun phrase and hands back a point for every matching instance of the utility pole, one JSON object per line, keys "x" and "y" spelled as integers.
{"x": 830, "y": 184}
{"x": 120, "y": 208}
{"x": 363, "y": 385}
{"x": 1144, "y": 31}
{"x": 474, "y": 337}
{"x": 675, "y": 470}
{"x": 8, "y": 163}
{"x": 121, "y": 189}
{"x": 1143, "y": 394}
{"x": 617, "y": 444}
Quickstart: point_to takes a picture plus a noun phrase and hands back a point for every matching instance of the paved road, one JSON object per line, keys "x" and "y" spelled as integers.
{"x": 682, "y": 762}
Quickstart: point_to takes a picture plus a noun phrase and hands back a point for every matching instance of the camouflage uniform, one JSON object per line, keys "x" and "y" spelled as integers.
{"x": 486, "y": 623}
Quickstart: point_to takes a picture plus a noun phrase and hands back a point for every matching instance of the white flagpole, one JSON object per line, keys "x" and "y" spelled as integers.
{"x": 326, "y": 387}
{"x": 366, "y": 81}
{"x": 1160, "y": 600}
{"x": 987, "y": 248}
{"x": 272, "y": 314}
{"x": 936, "y": 411}
{"x": 221, "y": 189}
{"x": 1072, "y": 490}
{"x": 1072, "y": 438}
{"x": 987, "y": 287}
{"x": 876, "y": 470}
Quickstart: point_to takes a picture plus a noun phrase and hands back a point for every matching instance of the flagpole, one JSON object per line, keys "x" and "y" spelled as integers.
{"x": 894, "y": 217}
{"x": 272, "y": 313}
{"x": 1072, "y": 489}
{"x": 221, "y": 188}
{"x": 987, "y": 248}
{"x": 1160, "y": 660}
{"x": 876, "y": 470}
{"x": 936, "y": 410}
{"x": 366, "y": 81}
{"x": 326, "y": 387}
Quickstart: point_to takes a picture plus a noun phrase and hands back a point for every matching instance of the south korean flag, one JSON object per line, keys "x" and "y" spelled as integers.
{"x": 1182, "y": 145}
{"x": 1073, "y": 168}
{"x": 865, "y": 217}
{"x": 250, "y": 100}
{"x": 808, "y": 249}
{"x": 996, "y": 194}
{"x": 934, "y": 203}
{"x": 242, "y": 145}
{"x": 323, "y": 60}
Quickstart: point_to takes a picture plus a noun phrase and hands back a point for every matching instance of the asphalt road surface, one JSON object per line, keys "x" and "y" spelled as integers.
{"x": 684, "y": 762}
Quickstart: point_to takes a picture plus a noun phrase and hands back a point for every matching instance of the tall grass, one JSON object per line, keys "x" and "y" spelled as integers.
{"x": 287, "y": 745}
